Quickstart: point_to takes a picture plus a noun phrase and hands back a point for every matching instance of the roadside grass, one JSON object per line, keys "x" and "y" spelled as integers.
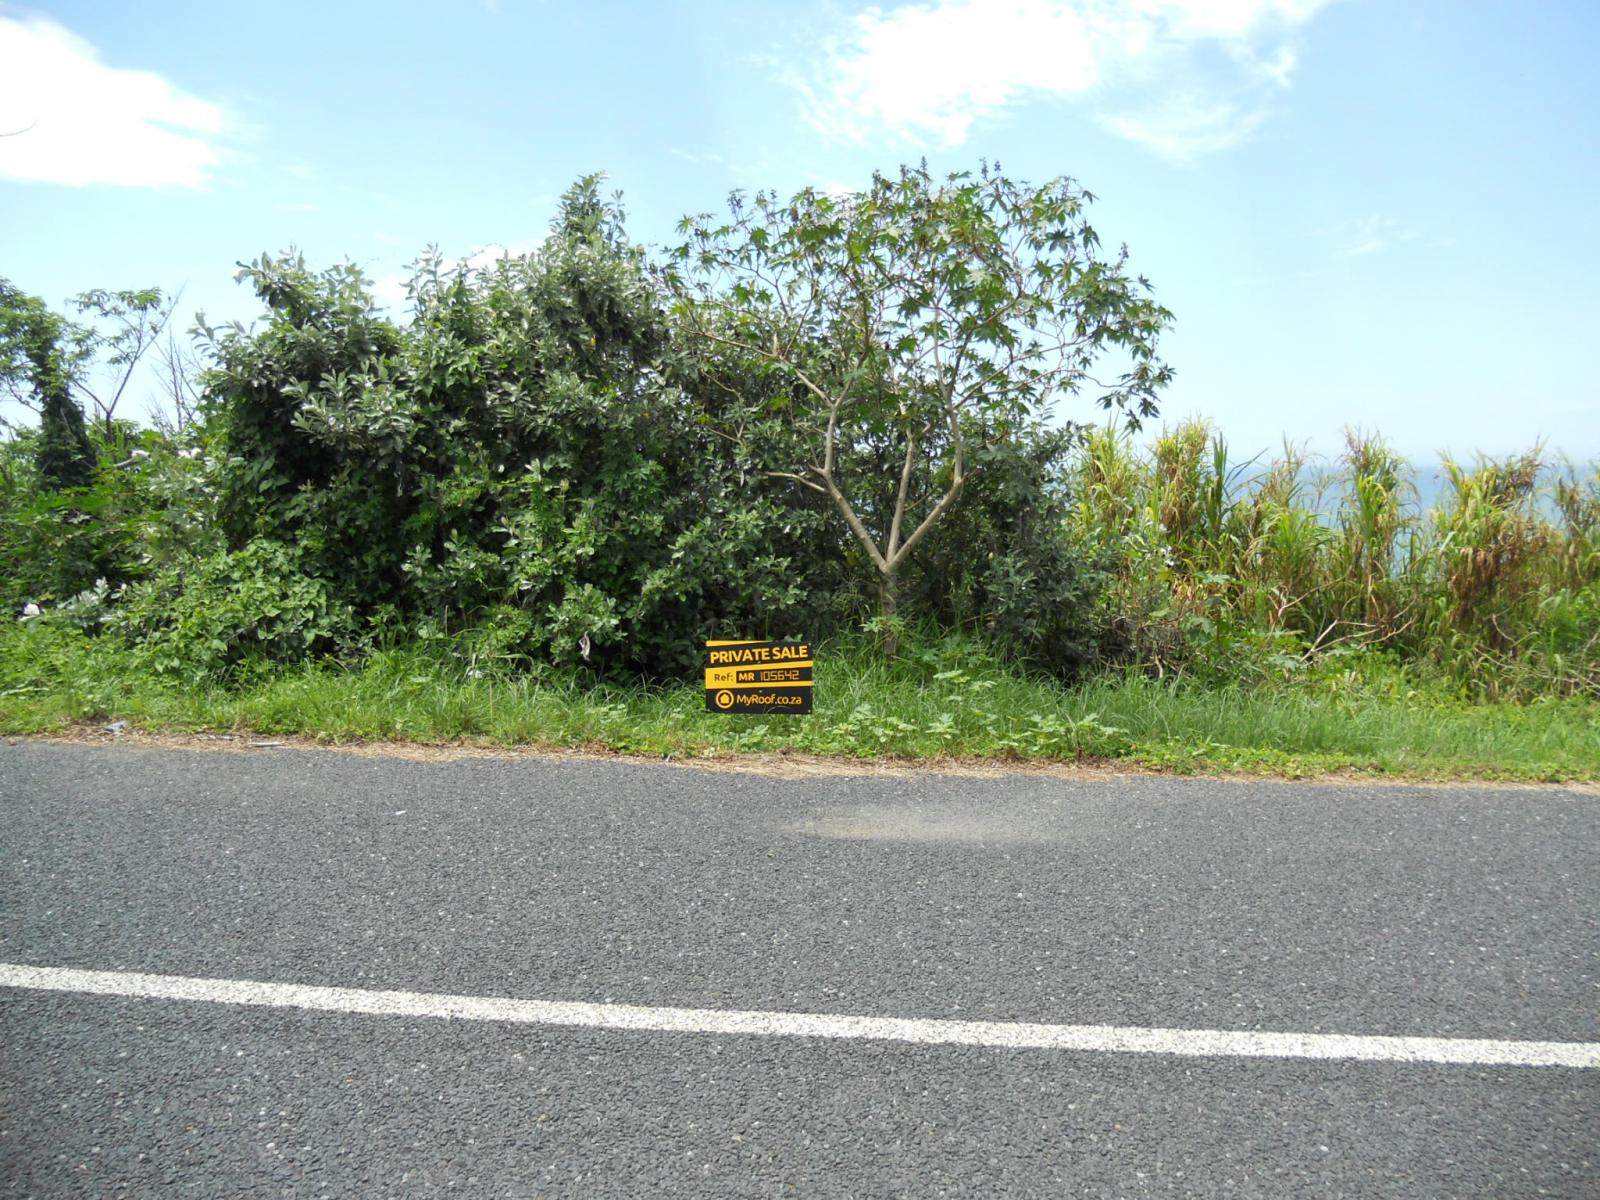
{"x": 942, "y": 700}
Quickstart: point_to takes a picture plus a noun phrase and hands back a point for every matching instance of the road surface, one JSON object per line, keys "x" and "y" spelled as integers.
{"x": 317, "y": 973}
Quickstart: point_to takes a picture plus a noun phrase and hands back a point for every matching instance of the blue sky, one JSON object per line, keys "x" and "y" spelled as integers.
{"x": 1371, "y": 214}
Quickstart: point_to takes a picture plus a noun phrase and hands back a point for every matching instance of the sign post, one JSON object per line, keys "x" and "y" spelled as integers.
{"x": 758, "y": 677}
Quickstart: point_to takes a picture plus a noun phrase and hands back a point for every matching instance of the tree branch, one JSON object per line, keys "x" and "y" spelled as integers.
{"x": 928, "y": 521}
{"x": 905, "y": 488}
{"x": 800, "y": 479}
{"x": 856, "y": 527}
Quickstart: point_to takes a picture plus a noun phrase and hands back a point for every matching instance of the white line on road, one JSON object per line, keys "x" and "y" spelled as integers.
{"x": 1096, "y": 1038}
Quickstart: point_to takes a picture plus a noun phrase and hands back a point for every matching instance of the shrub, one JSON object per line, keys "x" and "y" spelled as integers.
{"x": 252, "y": 606}
{"x": 1007, "y": 564}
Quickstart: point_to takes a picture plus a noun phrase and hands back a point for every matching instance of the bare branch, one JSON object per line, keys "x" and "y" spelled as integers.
{"x": 829, "y": 442}
{"x": 856, "y": 527}
{"x": 800, "y": 479}
{"x": 930, "y": 520}
{"x": 900, "y": 497}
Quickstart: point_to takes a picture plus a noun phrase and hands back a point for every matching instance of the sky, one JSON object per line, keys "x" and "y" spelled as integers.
{"x": 1369, "y": 214}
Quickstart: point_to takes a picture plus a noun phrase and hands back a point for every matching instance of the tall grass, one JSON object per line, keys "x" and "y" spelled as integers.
{"x": 1234, "y": 569}
{"x": 944, "y": 697}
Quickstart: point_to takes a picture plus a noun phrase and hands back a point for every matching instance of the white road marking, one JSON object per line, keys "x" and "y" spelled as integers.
{"x": 1010, "y": 1035}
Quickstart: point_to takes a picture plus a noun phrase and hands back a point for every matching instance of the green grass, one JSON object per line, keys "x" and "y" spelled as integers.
{"x": 943, "y": 701}
{"x": 1495, "y": 582}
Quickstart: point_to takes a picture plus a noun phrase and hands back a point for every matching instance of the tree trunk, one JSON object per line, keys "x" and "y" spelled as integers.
{"x": 886, "y": 607}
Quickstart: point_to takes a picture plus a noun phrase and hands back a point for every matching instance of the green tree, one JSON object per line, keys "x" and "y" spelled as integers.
{"x": 122, "y": 327}
{"x": 36, "y": 367}
{"x": 921, "y": 326}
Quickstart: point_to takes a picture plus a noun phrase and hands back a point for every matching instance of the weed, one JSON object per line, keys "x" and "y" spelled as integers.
{"x": 1355, "y": 710}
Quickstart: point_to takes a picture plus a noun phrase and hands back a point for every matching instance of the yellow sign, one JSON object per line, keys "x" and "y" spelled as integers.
{"x": 798, "y": 673}
{"x": 758, "y": 677}
{"x": 728, "y": 654}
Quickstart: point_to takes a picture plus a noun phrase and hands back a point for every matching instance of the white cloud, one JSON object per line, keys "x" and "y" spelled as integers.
{"x": 1371, "y": 235}
{"x": 1228, "y": 18}
{"x": 389, "y": 291}
{"x": 1186, "y": 127}
{"x": 1281, "y": 66}
{"x": 928, "y": 73}
{"x": 85, "y": 122}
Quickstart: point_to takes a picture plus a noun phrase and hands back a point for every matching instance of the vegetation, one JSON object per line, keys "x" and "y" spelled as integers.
{"x": 33, "y": 360}
{"x": 947, "y": 698}
{"x": 919, "y": 333}
{"x": 516, "y": 514}
{"x": 1225, "y": 571}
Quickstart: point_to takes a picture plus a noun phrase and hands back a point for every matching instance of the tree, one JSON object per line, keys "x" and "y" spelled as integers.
{"x": 179, "y": 368}
{"x": 513, "y": 459}
{"x": 36, "y": 368}
{"x": 124, "y": 325}
{"x": 920, "y": 326}
{"x": 45, "y": 358}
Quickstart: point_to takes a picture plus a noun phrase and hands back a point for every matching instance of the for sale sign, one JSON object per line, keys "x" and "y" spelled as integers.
{"x": 758, "y": 677}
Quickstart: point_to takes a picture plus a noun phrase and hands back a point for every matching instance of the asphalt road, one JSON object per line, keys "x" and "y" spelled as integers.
{"x": 1469, "y": 913}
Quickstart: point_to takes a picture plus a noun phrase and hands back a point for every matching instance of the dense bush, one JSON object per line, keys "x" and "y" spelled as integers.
{"x": 251, "y": 606}
{"x": 146, "y": 505}
{"x": 1007, "y": 565}
{"x": 527, "y": 448}
{"x": 540, "y": 467}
